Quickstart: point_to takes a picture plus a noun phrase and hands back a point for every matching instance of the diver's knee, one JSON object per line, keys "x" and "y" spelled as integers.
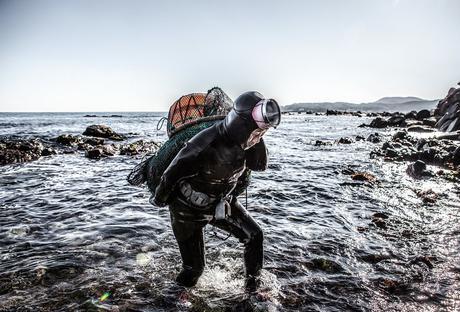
{"x": 256, "y": 237}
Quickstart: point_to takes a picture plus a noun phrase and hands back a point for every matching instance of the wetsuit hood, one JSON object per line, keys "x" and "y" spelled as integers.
{"x": 239, "y": 124}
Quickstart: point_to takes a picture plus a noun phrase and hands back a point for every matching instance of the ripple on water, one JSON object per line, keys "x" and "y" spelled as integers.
{"x": 72, "y": 230}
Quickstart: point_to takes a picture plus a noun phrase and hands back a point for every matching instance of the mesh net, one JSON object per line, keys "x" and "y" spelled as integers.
{"x": 188, "y": 116}
{"x": 197, "y": 107}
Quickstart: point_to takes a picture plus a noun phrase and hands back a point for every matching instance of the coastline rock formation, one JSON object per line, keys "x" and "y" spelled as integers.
{"x": 18, "y": 151}
{"x": 448, "y": 111}
{"x": 13, "y": 150}
{"x": 422, "y": 152}
{"x": 101, "y": 131}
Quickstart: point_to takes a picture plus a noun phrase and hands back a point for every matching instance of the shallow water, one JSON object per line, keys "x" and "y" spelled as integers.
{"x": 72, "y": 229}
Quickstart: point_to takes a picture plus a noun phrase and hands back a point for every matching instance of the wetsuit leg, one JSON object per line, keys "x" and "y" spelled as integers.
{"x": 244, "y": 227}
{"x": 189, "y": 236}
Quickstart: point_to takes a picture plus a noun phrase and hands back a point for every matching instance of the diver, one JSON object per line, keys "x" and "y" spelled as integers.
{"x": 199, "y": 185}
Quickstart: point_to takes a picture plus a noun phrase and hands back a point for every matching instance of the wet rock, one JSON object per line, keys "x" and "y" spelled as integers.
{"x": 19, "y": 151}
{"x": 378, "y": 122}
{"x": 48, "y": 151}
{"x": 387, "y": 145}
{"x": 455, "y": 158}
{"x": 379, "y": 222}
{"x": 428, "y": 196}
{"x": 102, "y": 131}
{"x": 361, "y": 229}
{"x": 94, "y": 153}
{"x": 138, "y": 147}
{"x": 397, "y": 120}
{"x": 391, "y": 153}
{"x": 90, "y": 116}
{"x": 381, "y": 215}
{"x": 420, "y": 144}
{"x": 363, "y": 176}
{"x": 359, "y": 138}
{"x": 400, "y": 135}
{"x": 448, "y": 110}
{"x": 69, "y": 140}
{"x": 430, "y": 122}
{"x": 411, "y": 115}
{"x": 374, "y": 138}
{"x": 417, "y": 169}
{"x": 419, "y": 129}
{"x": 322, "y": 143}
{"x": 424, "y": 113}
{"x": 100, "y": 151}
{"x": 345, "y": 140}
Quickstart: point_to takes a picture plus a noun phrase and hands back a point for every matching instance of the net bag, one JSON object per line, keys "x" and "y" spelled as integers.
{"x": 196, "y": 108}
{"x": 189, "y": 115}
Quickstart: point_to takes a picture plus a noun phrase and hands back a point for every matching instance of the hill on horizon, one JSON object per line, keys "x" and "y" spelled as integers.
{"x": 389, "y": 104}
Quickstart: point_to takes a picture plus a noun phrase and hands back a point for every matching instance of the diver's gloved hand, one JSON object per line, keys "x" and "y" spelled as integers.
{"x": 160, "y": 199}
{"x": 154, "y": 201}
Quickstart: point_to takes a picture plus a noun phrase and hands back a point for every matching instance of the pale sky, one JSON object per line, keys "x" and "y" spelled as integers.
{"x": 142, "y": 55}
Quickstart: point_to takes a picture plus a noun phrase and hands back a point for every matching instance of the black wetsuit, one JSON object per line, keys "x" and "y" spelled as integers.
{"x": 211, "y": 164}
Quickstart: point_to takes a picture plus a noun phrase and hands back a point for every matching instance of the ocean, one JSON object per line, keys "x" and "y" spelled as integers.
{"x": 75, "y": 236}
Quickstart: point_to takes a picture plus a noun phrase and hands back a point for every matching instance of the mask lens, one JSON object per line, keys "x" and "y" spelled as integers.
{"x": 272, "y": 113}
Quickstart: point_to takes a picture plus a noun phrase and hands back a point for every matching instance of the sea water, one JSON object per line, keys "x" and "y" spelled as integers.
{"x": 74, "y": 235}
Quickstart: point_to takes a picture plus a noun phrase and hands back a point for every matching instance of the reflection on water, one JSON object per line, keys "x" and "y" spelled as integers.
{"x": 75, "y": 236}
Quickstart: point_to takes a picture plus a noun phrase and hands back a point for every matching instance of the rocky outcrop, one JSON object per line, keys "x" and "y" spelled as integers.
{"x": 102, "y": 131}
{"x": 422, "y": 152}
{"x": 448, "y": 111}
{"x": 138, "y": 147}
{"x": 19, "y": 151}
{"x": 417, "y": 121}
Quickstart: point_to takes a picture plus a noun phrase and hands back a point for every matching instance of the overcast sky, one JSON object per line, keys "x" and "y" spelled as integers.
{"x": 142, "y": 55}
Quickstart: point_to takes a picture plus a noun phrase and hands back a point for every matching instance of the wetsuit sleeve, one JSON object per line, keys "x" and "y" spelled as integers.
{"x": 256, "y": 157}
{"x": 185, "y": 164}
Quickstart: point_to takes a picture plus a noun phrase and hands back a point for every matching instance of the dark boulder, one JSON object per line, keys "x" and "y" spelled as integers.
{"x": 416, "y": 169}
{"x": 374, "y": 138}
{"x": 448, "y": 110}
{"x": 378, "y": 122}
{"x": 48, "y": 151}
{"x": 69, "y": 140}
{"x": 363, "y": 176}
{"x": 19, "y": 151}
{"x": 397, "y": 120}
{"x": 100, "y": 152}
{"x": 400, "y": 135}
{"x": 423, "y": 114}
{"x": 391, "y": 153}
{"x": 455, "y": 159}
{"x": 138, "y": 147}
{"x": 359, "y": 138}
{"x": 345, "y": 140}
{"x": 102, "y": 131}
{"x": 411, "y": 115}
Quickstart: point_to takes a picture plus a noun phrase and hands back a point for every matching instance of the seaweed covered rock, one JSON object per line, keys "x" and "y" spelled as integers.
{"x": 138, "y": 147}
{"x": 18, "y": 151}
{"x": 102, "y": 131}
{"x": 100, "y": 152}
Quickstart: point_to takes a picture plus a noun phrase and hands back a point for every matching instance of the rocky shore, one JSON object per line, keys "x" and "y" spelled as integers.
{"x": 97, "y": 141}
